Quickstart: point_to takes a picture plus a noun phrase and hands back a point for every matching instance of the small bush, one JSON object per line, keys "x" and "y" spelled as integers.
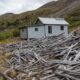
{"x": 1, "y": 78}
{"x": 12, "y": 73}
{"x": 16, "y": 33}
{"x": 9, "y": 34}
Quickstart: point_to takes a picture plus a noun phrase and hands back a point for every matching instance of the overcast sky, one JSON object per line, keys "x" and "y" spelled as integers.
{"x": 18, "y": 6}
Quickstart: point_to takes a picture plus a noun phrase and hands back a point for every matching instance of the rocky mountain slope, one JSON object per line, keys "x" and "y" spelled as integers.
{"x": 69, "y": 9}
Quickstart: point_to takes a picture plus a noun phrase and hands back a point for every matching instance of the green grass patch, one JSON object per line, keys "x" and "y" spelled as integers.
{"x": 10, "y": 33}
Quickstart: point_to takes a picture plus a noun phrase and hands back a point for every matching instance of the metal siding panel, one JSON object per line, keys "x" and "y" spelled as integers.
{"x": 56, "y": 30}
{"x": 23, "y": 33}
{"x": 53, "y": 21}
{"x": 36, "y": 34}
{"x": 43, "y": 31}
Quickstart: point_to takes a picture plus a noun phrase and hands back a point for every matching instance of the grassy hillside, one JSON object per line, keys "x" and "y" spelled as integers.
{"x": 74, "y": 18}
{"x": 69, "y": 9}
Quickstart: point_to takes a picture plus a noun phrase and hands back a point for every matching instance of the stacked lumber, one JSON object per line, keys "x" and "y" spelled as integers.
{"x": 51, "y": 58}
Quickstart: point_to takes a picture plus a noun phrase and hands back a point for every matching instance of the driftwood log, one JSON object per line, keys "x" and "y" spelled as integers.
{"x": 51, "y": 58}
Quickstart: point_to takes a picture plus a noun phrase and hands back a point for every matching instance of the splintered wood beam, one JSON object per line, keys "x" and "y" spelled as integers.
{"x": 64, "y": 62}
{"x": 47, "y": 77}
{"x": 70, "y": 71}
{"x": 70, "y": 48}
{"x": 77, "y": 56}
{"x": 66, "y": 76}
{"x": 5, "y": 76}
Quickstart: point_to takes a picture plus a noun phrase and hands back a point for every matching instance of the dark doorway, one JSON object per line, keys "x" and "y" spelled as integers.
{"x": 62, "y": 27}
{"x": 50, "y": 29}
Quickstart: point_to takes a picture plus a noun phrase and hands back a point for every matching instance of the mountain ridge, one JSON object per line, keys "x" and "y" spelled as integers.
{"x": 53, "y": 9}
{"x": 68, "y": 9}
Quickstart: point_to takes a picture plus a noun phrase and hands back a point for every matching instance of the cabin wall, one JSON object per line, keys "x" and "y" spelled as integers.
{"x": 56, "y": 30}
{"x": 42, "y": 31}
{"x": 24, "y": 33}
{"x": 66, "y": 31}
{"x": 36, "y": 34}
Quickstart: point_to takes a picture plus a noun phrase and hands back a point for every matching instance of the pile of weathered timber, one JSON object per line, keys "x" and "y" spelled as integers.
{"x": 51, "y": 58}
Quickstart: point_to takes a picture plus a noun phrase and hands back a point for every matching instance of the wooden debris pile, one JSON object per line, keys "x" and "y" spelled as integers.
{"x": 52, "y": 58}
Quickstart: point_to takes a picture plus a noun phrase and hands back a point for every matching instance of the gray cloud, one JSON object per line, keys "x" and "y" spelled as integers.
{"x": 18, "y": 6}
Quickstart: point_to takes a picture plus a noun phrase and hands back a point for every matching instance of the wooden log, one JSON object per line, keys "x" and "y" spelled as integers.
{"x": 5, "y": 76}
{"x": 64, "y": 62}
{"x": 47, "y": 77}
{"x": 66, "y": 76}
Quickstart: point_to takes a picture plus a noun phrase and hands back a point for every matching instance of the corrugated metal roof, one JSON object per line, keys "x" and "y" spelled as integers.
{"x": 60, "y": 21}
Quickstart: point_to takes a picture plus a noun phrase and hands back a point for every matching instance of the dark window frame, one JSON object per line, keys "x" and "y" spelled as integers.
{"x": 36, "y": 29}
{"x": 50, "y": 29}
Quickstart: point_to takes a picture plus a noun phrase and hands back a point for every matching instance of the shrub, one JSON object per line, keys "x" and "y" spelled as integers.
{"x": 16, "y": 33}
{"x": 9, "y": 34}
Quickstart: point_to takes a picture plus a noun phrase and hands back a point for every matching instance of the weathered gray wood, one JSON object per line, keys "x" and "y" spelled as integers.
{"x": 46, "y": 58}
{"x": 66, "y": 75}
{"x": 47, "y": 77}
{"x": 64, "y": 62}
{"x": 5, "y": 76}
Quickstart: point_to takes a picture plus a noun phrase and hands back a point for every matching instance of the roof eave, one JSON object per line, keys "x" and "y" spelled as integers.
{"x": 55, "y": 24}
